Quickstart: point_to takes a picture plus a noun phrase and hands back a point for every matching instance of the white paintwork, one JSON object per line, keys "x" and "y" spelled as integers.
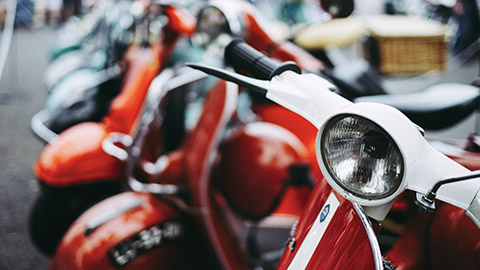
{"x": 314, "y": 235}
{"x": 311, "y": 97}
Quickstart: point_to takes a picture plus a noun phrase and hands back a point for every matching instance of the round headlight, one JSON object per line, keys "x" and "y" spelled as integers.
{"x": 361, "y": 157}
{"x": 210, "y": 24}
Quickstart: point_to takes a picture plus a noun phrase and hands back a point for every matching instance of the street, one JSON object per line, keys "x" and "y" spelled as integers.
{"x": 22, "y": 94}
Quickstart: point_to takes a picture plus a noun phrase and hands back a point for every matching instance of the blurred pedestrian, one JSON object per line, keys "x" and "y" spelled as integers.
{"x": 47, "y": 12}
{"x": 71, "y": 8}
{"x": 3, "y": 12}
{"x": 466, "y": 12}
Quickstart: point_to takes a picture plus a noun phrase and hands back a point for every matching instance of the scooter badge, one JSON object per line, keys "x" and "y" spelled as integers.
{"x": 324, "y": 213}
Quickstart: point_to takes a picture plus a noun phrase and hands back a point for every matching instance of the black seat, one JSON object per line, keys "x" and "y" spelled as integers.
{"x": 436, "y": 107}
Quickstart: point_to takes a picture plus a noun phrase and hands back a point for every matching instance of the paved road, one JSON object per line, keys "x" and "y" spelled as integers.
{"x": 21, "y": 95}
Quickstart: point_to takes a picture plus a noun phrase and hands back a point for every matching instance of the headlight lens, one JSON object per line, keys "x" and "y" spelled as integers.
{"x": 361, "y": 157}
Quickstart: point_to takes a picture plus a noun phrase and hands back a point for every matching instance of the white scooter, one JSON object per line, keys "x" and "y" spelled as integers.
{"x": 369, "y": 153}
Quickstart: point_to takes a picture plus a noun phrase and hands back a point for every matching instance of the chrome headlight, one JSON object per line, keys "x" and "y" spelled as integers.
{"x": 361, "y": 157}
{"x": 210, "y": 24}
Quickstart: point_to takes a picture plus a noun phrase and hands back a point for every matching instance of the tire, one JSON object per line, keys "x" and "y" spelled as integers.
{"x": 56, "y": 208}
{"x": 387, "y": 264}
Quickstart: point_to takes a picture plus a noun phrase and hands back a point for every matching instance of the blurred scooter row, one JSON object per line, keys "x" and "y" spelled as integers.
{"x": 150, "y": 164}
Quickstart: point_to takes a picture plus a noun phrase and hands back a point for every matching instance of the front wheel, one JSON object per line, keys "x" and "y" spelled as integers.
{"x": 56, "y": 208}
{"x": 387, "y": 264}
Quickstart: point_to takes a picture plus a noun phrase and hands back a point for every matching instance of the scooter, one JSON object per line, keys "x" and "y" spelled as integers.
{"x": 369, "y": 153}
{"x": 330, "y": 220}
{"x": 78, "y": 31}
{"x": 66, "y": 173}
{"x": 79, "y": 38}
{"x": 84, "y": 89}
{"x": 255, "y": 32}
{"x": 73, "y": 101}
{"x": 113, "y": 35}
{"x": 73, "y": 171}
{"x": 179, "y": 198}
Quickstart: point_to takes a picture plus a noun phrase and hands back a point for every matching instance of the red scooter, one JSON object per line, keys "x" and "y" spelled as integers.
{"x": 337, "y": 229}
{"x": 75, "y": 173}
{"x": 153, "y": 187}
{"x": 191, "y": 202}
{"x": 192, "y": 208}
{"x": 73, "y": 170}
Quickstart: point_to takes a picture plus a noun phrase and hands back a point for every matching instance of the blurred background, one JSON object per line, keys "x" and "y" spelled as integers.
{"x": 39, "y": 25}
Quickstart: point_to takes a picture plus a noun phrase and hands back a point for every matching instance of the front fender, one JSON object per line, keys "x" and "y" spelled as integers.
{"x": 131, "y": 231}
{"x": 76, "y": 157}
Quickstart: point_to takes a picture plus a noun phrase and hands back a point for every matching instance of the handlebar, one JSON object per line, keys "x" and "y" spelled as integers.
{"x": 311, "y": 97}
{"x": 241, "y": 55}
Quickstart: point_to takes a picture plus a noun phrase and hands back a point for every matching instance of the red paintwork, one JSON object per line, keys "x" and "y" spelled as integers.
{"x": 76, "y": 156}
{"x": 77, "y": 251}
{"x": 344, "y": 245}
{"x": 211, "y": 244}
{"x": 201, "y": 144}
{"x": 180, "y": 21}
{"x": 253, "y": 167}
{"x": 171, "y": 174}
{"x": 258, "y": 36}
{"x": 296, "y": 124}
{"x": 469, "y": 160}
{"x": 445, "y": 239}
{"x": 457, "y": 150}
{"x": 143, "y": 66}
{"x": 295, "y": 199}
{"x": 454, "y": 240}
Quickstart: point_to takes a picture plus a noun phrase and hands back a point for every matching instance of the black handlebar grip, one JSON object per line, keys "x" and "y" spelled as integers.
{"x": 240, "y": 54}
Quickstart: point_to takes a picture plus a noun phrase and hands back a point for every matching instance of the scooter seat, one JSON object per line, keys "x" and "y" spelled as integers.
{"x": 436, "y": 107}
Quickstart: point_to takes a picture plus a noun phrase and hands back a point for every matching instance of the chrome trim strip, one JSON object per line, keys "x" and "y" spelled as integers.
{"x": 107, "y": 216}
{"x": 109, "y": 145}
{"x": 377, "y": 254}
{"x": 40, "y": 129}
{"x": 158, "y": 189}
{"x": 165, "y": 82}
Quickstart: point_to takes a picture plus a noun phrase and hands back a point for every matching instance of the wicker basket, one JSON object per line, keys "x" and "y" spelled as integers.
{"x": 403, "y": 45}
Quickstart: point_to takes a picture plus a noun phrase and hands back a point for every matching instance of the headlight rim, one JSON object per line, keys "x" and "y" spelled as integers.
{"x": 338, "y": 185}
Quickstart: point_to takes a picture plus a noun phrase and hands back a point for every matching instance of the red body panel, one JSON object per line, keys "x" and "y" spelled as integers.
{"x": 454, "y": 240}
{"x": 445, "y": 239}
{"x": 180, "y": 21}
{"x": 200, "y": 146}
{"x": 295, "y": 199}
{"x": 281, "y": 116}
{"x": 456, "y": 150}
{"x": 142, "y": 69}
{"x": 344, "y": 245}
{"x": 253, "y": 167}
{"x": 258, "y": 36}
{"x": 208, "y": 244}
{"x": 76, "y": 156}
{"x": 138, "y": 212}
{"x": 467, "y": 159}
